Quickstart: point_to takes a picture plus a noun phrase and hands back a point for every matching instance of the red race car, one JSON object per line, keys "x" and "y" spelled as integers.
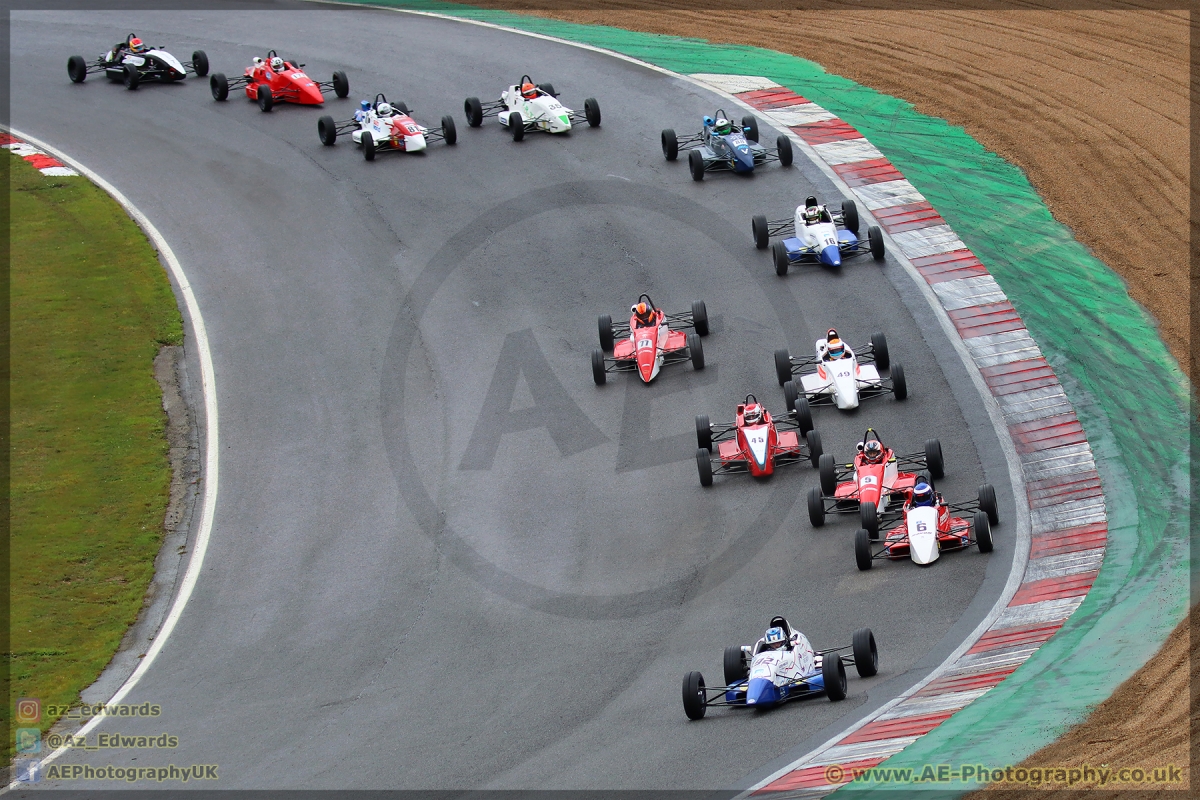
{"x": 756, "y": 442}
{"x": 273, "y": 80}
{"x": 869, "y": 482}
{"x": 651, "y": 339}
{"x": 930, "y": 526}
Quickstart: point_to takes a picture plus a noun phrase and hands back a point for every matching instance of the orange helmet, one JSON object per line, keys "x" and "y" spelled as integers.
{"x": 641, "y": 309}
{"x": 528, "y": 91}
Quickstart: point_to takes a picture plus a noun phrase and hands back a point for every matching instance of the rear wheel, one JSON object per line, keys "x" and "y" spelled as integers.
{"x": 875, "y": 239}
{"x": 401, "y": 106}
{"x": 219, "y": 86}
{"x": 516, "y": 124}
{"x": 265, "y": 99}
{"x": 449, "y": 131}
{"x": 704, "y": 466}
{"x": 866, "y": 656}
{"x": 77, "y": 69}
{"x": 327, "y": 130}
{"x": 987, "y": 503}
{"x": 548, "y": 88}
{"x": 368, "y": 142}
{"x": 783, "y": 365}
{"x": 983, "y": 532}
{"x": 814, "y": 447}
{"x": 700, "y": 317}
{"x": 779, "y": 254}
{"x": 750, "y": 128}
{"x": 879, "y": 348}
{"x": 816, "y": 507}
{"x": 604, "y": 323}
{"x": 591, "y": 112}
{"x": 704, "y": 432}
{"x": 200, "y": 63}
{"x": 341, "y": 84}
{"x": 599, "y": 375}
{"x": 758, "y": 224}
{"x": 693, "y": 695}
{"x": 670, "y": 144}
{"x": 790, "y": 395}
{"x": 735, "y": 665}
{"x": 803, "y": 414}
{"x": 868, "y": 517}
{"x": 474, "y": 112}
{"x": 827, "y": 469}
{"x": 833, "y": 673}
{"x": 933, "y": 458}
{"x": 899, "y": 385}
{"x": 130, "y": 77}
{"x": 850, "y": 216}
{"x": 784, "y": 145}
{"x": 696, "y": 165}
{"x": 862, "y": 549}
{"x": 695, "y": 350}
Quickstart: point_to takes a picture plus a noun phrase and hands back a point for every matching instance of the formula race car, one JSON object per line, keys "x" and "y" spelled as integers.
{"x": 525, "y": 107}
{"x": 780, "y": 666}
{"x": 929, "y": 529}
{"x": 273, "y": 80}
{"x": 870, "y": 481}
{"x": 841, "y": 377}
{"x": 381, "y": 126}
{"x": 756, "y": 442}
{"x": 722, "y": 146}
{"x": 133, "y": 61}
{"x": 815, "y": 237}
{"x": 654, "y": 339}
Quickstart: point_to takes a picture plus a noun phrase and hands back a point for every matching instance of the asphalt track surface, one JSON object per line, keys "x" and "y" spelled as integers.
{"x": 426, "y": 572}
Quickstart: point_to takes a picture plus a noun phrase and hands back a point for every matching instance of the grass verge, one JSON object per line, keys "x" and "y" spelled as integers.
{"x": 90, "y": 307}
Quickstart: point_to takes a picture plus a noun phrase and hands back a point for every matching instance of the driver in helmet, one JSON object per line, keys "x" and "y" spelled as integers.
{"x": 529, "y": 91}
{"x": 776, "y": 639}
{"x": 872, "y": 451}
{"x": 752, "y": 414}
{"x": 276, "y": 64}
{"x": 722, "y": 126}
{"x": 644, "y": 314}
{"x": 834, "y": 348}
{"x": 136, "y": 45}
{"x": 923, "y": 495}
{"x": 812, "y": 215}
{"x": 384, "y": 109}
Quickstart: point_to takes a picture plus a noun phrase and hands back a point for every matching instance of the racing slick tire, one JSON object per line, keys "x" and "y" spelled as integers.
{"x": 696, "y": 165}
{"x": 77, "y": 69}
{"x": 784, "y": 145}
{"x": 473, "y": 110}
{"x": 779, "y": 254}
{"x": 875, "y": 240}
{"x": 695, "y": 350}
{"x": 368, "y": 143}
{"x": 693, "y": 695}
{"x": 758, "y": 225}
{"x": 987, "y": 503}
{"x": 449, "y": 131}
{"x": 750, "y": 128}
{"x": 879, "y": 349}
{"x": 862, "y": 550}
{"x": 983, "y": 532}
{"x": 833, "y": 673}
{"x": 599, "y": 374}
{"x": 327, "y": 130}
{"x": 604, "y": 323}
{"x": 868, "y": 517}
{"x": 827, "y": 469}
{"x": 933, "y": 458}
{"x": 219, "y": 86}
{"x": 803, "y": 415}
{"x": 814, "y": 447}
{"x": 735, "y": 665}
{"x": 130, "y": 77}
{"x": 341, "y": 84}
{"x": 899, "y": 385}
{"x": 200, "y": 63}
{"x": 850, "y": 216}
{"x": 704, "y": 466}
{"x": 783, "y": 365}
{"x": 670, "y": 144}
{"x": 516, "y": 124}
{"x": 265, "y": 99}
{"x": 703, "y": 432}
{"x": 816, "y": 507}
{"x": 548, "y": 88}
{"x": 790, "y": 395}
{"x": 591, "y": 112}
{"x": 700, "y": 317}
{"x": 866, "y": 656}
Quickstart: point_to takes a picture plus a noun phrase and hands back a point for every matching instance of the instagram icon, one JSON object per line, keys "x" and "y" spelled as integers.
{"x": 29, "y": 710}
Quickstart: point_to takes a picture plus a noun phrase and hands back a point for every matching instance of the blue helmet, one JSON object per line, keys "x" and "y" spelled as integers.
{"x": 922, "y": 494}
{"x": 774, "y": 639}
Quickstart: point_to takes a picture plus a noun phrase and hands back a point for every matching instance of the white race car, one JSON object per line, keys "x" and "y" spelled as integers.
{"x": 815, "y": 236}
{"x": 780, "y": 666}
{"x": 526, "y": 106}
{"x": 841, "y": 377}
{"x": 381, "y": 125}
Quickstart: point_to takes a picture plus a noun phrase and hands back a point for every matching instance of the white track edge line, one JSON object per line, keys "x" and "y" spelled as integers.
{"x": 208, "y": 476}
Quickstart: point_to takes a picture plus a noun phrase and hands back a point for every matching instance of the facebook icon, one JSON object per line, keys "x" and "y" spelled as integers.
{"x": 29, "y": 770}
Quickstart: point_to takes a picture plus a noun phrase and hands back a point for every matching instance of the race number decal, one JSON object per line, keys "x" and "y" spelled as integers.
{"x": 921, "y": 527}
{"x": 868, "y": 480}
{"x": 644, "y": 343}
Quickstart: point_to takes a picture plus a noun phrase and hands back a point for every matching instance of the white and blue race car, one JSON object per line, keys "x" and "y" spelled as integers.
{"x": 780, "y": 666}
{"x": 723, "y": 146}
{"x": 815, "y": 236}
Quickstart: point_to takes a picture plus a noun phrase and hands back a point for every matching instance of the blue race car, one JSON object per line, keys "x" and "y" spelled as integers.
{"x": 815, "y": 236}
{"x": 721, "y": 145}
{"x": 780, "y": 666}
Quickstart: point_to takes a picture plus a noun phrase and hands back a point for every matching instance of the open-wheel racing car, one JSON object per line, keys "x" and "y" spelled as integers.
{"x": 871, "y": 481}
{"x": 274, "y": 80}
{"x": 133, "y": 61}
{"x": 381, "y": 126}
{"x": 779, "y": 667}
{"x": 756, "y": 442}
{"x": 723, "y": 146}
{"x": 930, "y": 526}
{"x": 651, "y": 340}
{"x": 526, "y": 106}
{"x": 840, "y": 377}
{"x": 815, "y": 237}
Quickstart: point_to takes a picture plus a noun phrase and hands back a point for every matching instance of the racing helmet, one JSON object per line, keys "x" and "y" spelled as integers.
{"x": 643, "y": 311}
{"x": 873, "y": 451}
{"x": 835, "y": 348}
{"x": 528, "y": 91}
{"x": 752, "y": 414}
{"x": 136, "y": 45}
{"x": 774, "y": 639}
{"x": 922, "y": 494}
{"x": 384, "y": 109}
{"x": 812, "y": 215}
{"x": 722, "y": 126}
{"x": 277, "y": 64}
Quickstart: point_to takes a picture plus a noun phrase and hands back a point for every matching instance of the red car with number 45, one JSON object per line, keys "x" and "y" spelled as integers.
{"x": 756, "y": 442}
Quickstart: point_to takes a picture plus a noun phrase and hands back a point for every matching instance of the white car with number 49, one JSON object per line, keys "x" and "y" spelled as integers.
{"x": 840, "y": 377}
{"x": 526, "y": 106}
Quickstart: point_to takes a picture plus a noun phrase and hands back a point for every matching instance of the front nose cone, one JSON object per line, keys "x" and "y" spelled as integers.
{"x": 761, "y": 692}
{"x": 831, "y": 256}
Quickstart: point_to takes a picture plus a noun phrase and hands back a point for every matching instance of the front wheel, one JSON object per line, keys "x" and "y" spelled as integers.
{"x": 591, "y": 111}
{"x": 850, "y": 216}
{"x": 704, "y": 467}
{"x": 341, "y": 84}
{"x": 758, "y": 226}
{"x": 474, "y": 112}
{"x": 77, "y": 69}
{"x": 200, "y": 63}
{"x": 599, "y": 374}
{"x": 449, "y": 131}
{"x": 516, "y": 124}
{"x": 693, "y": 695}
{"x": 368, "y": 142}
{"x": 987, "y": 503}
{"x": 735, "y": 665}
{"x": 866, "y": 655}
{"x": 700, "y": 317}
{"x": 983, "y": 532}
{"x": 265, "y": 99}
{"x": 862, "y": 550}
{"x": 219, "y": 86}
{"x": 604, "y": 323}
{"x": 779, "y": 254}
{"x": 827, "y": 469}
{"x": 899, "y": 385}
{"x": 695, "y": 350}
{"x": 696, "y": 165}
{"x": 833, "y": 674}
{"x": 784, "y": 146}
{"x": 868, "y": 517}
{"x": 816, "y": 507}
{"x": 130, "y": 77}
{"x": 875, "y": 239}
{"x": 750, "y": 128}
{"x": 704, "y": 432}
{"x": 803, "y": 414}
{"x": 327, "y": 130}
{"x": 670, "y": 144}
{"x": 933, "y": 458}
{"x": 814, "y": 447}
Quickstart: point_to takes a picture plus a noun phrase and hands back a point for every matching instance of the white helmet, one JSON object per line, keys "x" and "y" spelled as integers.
{"x": 384, "y": 109}
{"x": 277, "y": 64}
{"x": 812, "y": 215}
